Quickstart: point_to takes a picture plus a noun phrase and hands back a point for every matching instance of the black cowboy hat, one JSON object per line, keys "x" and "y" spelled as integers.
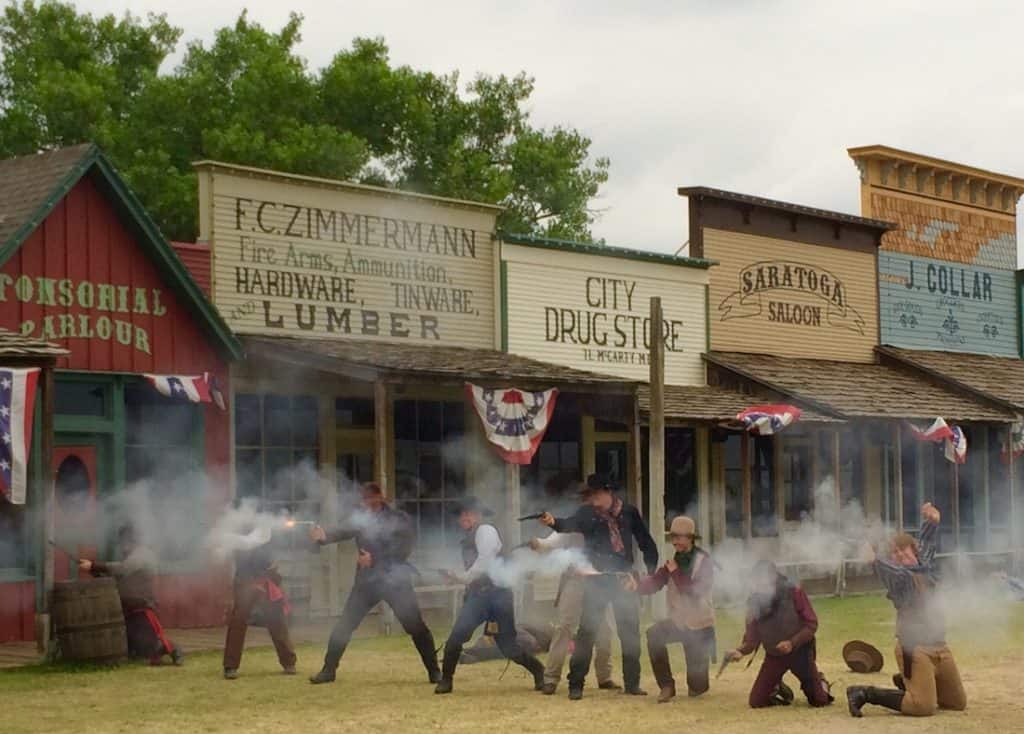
{"x": 596, "y": 483}
{"x": 862, "y": 657}
{"x": 471, "y": 504}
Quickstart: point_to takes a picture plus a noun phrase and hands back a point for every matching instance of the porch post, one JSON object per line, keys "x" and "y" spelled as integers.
{"x": 381, "y": 436}
{"x": 1011, "y": 478}
{"x": 43, "y": 627}
{"x": 636, "y": 490}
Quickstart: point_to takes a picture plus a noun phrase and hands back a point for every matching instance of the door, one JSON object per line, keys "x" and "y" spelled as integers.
{"x": 75, "y": 513}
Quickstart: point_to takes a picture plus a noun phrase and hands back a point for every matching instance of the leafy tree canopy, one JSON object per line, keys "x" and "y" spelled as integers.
{"x": 248, "y": 98}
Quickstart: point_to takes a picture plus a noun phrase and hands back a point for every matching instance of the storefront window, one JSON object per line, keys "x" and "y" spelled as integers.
{"x": 556, "y": 466}
{"x": 353, "y": 413}
{"x": 680, "y": 473}
{"x": 164, "y": 464}
{"x": 276, "y": 452}
{"x": 430, "y": 467}
{"x": 14, "y": 550}
{"x": 797, "y": 481}
{"x": 762, "y": 486}
{"x": 999, "y": 490}
{"x": 73, "y": 397}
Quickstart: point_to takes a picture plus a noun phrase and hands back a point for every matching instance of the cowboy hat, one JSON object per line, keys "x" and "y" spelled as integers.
{"x": 597, "y": 483}
{"x": 862, "y": 657}
{"x": 683, "y": 525}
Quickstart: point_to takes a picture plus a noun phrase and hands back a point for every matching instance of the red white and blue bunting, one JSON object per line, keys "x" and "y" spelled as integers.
{"x": 940, "y": 431}
{"x": 766, "y": 420}
{"x": 17, "y": 405}
{"x": 190, "y": 388}
{"x": 514, "y": 421}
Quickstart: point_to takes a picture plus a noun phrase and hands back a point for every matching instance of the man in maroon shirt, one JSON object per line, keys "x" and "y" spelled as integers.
{"x": 780, "y": 618}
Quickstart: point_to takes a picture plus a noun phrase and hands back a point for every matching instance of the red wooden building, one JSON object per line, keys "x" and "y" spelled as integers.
{"x": 82, "y": 265}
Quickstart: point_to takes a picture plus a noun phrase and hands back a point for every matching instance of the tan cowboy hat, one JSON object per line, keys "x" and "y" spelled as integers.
{"x": 683, "y": 525}
{"x": 862, "y": 657}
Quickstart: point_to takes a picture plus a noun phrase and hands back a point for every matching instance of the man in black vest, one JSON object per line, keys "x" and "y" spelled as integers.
{"x": 608, "y": 526}
{"x": 780, "y": 618}
{"x": 486, "y": 601}
{"x": 385, "y": 538}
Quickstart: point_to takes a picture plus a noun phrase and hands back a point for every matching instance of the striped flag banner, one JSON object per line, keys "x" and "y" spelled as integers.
{"x": 190, "y": 388}
{"x": 939, "y": 431}
{"x": 766, "y": 420}
{"x": 17, "y": 404}
{"x": 514, "y": 421}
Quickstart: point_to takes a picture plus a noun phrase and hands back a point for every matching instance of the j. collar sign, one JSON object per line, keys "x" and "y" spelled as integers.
{"x": 764, "y": 285}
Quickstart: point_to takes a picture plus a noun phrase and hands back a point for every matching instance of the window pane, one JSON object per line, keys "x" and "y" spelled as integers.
{"x": 454, "y": 418}
{"x": 279, "y": 475}
{"x": 152, "y": 418}
{"x": 430, "y": 473}
{"x": 431, "y": 529}
{"x": 277, "y": 420}
{"x": 80, "y": 398}
{"x": 762, "y": 499}
{"x": 429, "y": 421}
{"x": 733, "y": 456}
{"x": 248, "y": 422}
{"x": 405, "y": 420}
{"x": 305, "y": 427}
{"x": 353, "y": 413}
{"x": 14, "y": 550}
{"x": 249, "y": 472}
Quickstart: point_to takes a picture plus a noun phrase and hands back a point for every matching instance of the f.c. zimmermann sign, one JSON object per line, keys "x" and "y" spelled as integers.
{"x": 763, "y": 286}
{"x": 346, "y": 261}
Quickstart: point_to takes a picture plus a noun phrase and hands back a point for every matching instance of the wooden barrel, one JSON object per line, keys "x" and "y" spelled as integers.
{"x": 88, "y": 621}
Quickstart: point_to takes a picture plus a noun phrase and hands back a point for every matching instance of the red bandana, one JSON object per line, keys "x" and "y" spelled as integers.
{"x": 611, "y": 519}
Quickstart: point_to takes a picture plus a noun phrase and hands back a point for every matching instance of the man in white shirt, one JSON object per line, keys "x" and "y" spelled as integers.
{"x": 569, "y": 608}
{"x": 485, "y": 601}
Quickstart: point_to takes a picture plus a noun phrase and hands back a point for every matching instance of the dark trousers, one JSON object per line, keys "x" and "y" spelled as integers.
{"x": 491, "y": 604}
{"x": 396, "y": 590}
{"x": 697, "y": 646}
{"x": 598, "y": 593}
{"x": 143, "y": 639}
{"x": 247, "y": 597}
{"x": 800, "y": 663}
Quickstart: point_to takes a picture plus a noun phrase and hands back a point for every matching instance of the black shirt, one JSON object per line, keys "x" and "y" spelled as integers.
{"x": 597, "y": 540}
{"x": 386, "y": 535}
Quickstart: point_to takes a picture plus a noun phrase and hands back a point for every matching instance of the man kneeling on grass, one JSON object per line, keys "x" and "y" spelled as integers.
{"x": 780, "y": 618}
{"x": 928, "y": 677}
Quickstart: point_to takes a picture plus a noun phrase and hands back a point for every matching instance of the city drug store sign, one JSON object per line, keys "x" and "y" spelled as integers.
{"x": 937, "y": 304}
{"x": 592, "y": 312}
{"x": 64, "y": 308}
{"x": 301, "y": 257}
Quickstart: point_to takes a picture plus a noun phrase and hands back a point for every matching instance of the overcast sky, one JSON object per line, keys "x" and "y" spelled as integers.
{"x": 757, "y": 96}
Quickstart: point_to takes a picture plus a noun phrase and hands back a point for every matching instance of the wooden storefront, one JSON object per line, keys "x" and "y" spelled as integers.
{"x": 83, "y": 266}
{"x": 794, "y": 316}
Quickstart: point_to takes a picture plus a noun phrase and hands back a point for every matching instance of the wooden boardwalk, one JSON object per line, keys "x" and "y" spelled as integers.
{"x": 16, "y": 654}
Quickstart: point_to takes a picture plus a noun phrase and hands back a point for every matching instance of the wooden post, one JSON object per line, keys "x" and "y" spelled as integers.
{"x": 656, "y": 470}
{"x": 956, "y": 514}
{"x": 899, "y": 477}
{"x": 636, "y": 493}
{"x": 44, "y": 629}
{"x": 748, "y": 524}
{"x": 513, "y": 506}
{"x": 381, "y": 436}
{"x": 1011, "y": 480}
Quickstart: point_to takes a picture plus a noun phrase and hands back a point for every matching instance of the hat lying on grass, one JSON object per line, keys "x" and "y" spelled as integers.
{"x": 862, "y": 657}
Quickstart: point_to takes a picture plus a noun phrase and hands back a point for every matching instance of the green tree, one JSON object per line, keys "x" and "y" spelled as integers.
{"x": 249, "y": 98}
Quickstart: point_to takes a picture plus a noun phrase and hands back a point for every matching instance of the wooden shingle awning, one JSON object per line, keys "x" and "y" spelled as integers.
{"x": 707, "y": 403}
{"x": 27, "y": 351}
{"x": 393, "y": 362}
{"x": 858, "y": 390}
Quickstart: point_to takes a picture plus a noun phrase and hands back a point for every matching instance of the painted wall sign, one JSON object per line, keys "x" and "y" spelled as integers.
{"x": 936, "y": 304}
{"x": 592, "y": 312}
{"x": 296, "y": 256}
{"x": 775, "y": 296}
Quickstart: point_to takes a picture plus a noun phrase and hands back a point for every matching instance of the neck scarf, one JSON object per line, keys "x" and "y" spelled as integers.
{"x": 611, "y": 519}
{"x": 685, "y": 560}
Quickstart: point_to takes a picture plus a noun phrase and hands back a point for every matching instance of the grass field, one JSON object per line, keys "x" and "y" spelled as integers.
{"x": 382, "y": 688}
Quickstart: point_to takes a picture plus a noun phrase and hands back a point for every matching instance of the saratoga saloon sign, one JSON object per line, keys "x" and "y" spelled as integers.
{"x": 764, "y": 286}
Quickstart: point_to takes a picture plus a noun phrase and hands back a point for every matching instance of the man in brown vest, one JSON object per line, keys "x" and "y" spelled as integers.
{"x": 929, "y": 678}
{"x": 780, "y": 618}
{"x": 687, "y": 577}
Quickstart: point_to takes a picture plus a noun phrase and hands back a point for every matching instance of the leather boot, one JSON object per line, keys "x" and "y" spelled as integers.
{"x": 451, "y": 659}
{"x": 326, "y": 675}
{"x": 856, "y": 697}
{"x": 897, "y": 680}
{"x": 424, "y": 642}
{"x": 536, "y": 668}
{"x": 667, "y": 693}
{"x": 886, "y": 697}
